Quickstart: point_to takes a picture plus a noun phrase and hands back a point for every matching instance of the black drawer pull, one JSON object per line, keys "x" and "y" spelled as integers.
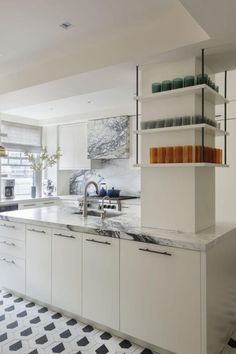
{"x": 9, "y": 226}
{"x": 151, "y": 251}
{"x": 104, "y": 243}
{"x": 39, "y": 231}
{"x": 29, "y": 205}
{"x": 5, "y": 260}
{"x": 8, "y": 243}
{"x": 61, "y": 235}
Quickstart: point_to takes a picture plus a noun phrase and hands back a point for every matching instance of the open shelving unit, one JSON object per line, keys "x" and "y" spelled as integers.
{"x": 195, "y": 164}
{"x": 207, "y": 94}
{"x": 210, "y": 129}
{"x": 210, "y": 94}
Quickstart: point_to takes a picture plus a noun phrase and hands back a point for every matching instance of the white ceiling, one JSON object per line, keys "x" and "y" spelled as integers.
{"x": 29, "y": 30}
{"x": 36, "y": 83}
{"x": 94, "y": 102}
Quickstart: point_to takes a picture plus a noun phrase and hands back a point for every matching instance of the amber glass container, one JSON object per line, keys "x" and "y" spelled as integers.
{"x": 161, "y": 155}
{"x": 187, "y": 153}
{"x": 207, "y": 154}
{"x": 169, "y": 155}
{"x": 198, "y": 153}
{"x": 153, "y": 155}
{"x": 218, "y": 156}
{"x": 178, "y": 154}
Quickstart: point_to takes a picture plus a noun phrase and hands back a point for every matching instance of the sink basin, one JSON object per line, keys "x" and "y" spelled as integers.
{"x": 98, "y": 213}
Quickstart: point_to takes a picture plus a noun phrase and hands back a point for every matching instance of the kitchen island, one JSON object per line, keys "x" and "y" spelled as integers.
{"x": 165, "y": 289}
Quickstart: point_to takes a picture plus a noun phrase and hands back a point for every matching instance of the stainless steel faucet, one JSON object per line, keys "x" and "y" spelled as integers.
{"x": 103, "y": 211}
{"x": 85, "y": 211}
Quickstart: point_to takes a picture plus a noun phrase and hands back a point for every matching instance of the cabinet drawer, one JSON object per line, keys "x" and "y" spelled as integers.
{"x": 12, "y": 273}
{"x": 37, "y": 230}
{"x": 14, "y": 248}
{"x": 12, "y": 229}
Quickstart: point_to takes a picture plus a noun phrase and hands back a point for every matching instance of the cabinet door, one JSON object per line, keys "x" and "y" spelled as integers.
{"x": 73, "y": 143}
{"x": 67, "y": 270}
{"x": 38, "y": 263}
{"x": 160, "y": 296}
{"x": 101, "y": 280}
{"x": 12, "y": 273}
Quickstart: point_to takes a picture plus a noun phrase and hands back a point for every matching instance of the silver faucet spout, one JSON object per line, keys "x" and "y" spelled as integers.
{"x": 103, "y": 211}
{"x": 85, "y": 211}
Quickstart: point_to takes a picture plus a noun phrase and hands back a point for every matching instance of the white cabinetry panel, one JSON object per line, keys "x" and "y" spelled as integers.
{"x": 67, "y": 270}
{"x": 73, "y": 143}
{"x": 38, "y": 263}
{"x": 160, "y": 296}
{"x": 101, "y": 280}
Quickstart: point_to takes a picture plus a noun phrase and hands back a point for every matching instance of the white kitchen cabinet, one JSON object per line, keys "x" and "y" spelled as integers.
{"x": 73, "y": 144}
{"x": 38, "y": 263}
{"x": 12, "y": 230}
{"x": 12, "y": 273}
{"x": 12, "y": 256}
{"x": 160, "y": 296}
{"x": 67, "y": 270}
{"x": 101, "y": 280}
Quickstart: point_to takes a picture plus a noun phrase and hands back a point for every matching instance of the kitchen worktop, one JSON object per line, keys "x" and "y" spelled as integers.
{"x": 124, "y": 226}
{"x": 20, "y": 199}
{"x": 74, "y": 197}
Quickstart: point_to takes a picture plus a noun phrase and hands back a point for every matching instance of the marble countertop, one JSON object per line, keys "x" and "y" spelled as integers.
{"x": 74, "y": 197}
{"x": 125, "y": 226}
{"x": 19, "y": 199}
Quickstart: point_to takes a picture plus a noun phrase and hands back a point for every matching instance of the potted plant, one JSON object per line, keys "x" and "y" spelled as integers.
{"x": 40, "y": 163}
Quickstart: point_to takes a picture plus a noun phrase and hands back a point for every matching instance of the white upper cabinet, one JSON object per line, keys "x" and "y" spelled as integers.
{"x": 73, "y": 144}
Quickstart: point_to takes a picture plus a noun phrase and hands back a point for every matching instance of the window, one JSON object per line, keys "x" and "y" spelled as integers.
{"x": 20, "y": 138}
{"x": 16, "y": 166}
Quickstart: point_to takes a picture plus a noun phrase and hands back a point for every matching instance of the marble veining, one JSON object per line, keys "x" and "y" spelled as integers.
{"x": 125, "y": 226}
{"x": 114, "y": 173}
{"x": 108, "y": 138}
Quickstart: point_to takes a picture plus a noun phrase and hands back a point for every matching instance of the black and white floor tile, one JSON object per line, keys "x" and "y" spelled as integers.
{"x": 28, "y": 328}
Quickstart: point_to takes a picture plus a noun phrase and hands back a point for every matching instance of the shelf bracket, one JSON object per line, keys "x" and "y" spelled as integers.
{"x": 137, "y": 112}
{"x": 225, "y": 120}
{"x": 203, "y": 106}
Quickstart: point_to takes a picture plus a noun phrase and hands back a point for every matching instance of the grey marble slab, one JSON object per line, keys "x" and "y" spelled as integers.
{"x": 125, "y": 226}
{"x": 108, "y": 138}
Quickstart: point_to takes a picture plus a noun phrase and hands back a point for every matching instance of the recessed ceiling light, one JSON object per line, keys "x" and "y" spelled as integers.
{"x": 66, "y": 25}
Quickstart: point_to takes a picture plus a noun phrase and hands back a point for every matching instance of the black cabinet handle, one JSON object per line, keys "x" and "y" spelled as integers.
{"x": 5, "y": 260}
{"x": 8, "y": 226}
{"x": 92, "y": 240}
{"x": 8, "y": 243}
{"x": 151, "y": 251}
{"x": 39, "y": 231}
{"x": 61, "y": 235}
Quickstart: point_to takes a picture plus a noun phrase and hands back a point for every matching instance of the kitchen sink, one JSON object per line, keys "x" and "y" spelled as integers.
{"x": 98, "y": 213}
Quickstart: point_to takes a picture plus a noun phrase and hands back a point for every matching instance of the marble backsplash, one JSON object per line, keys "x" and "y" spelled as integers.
{"x": 115, "y": 173}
